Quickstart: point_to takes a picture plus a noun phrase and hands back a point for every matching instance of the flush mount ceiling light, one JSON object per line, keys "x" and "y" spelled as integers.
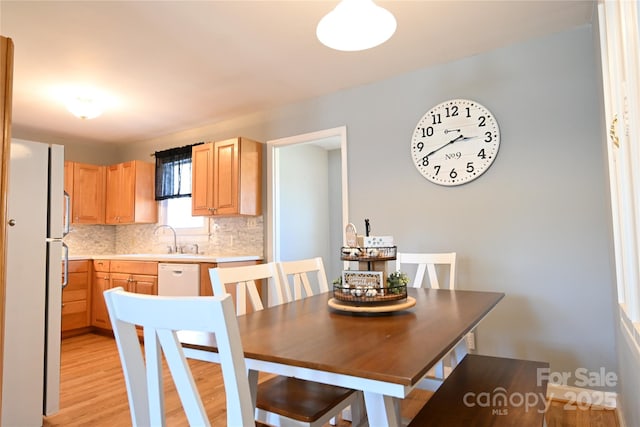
{"x": 84, "y": 106}
{"x": 356, "y": 25}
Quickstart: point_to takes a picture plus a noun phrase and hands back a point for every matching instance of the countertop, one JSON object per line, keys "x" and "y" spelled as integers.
{"x": 184, "y": 258}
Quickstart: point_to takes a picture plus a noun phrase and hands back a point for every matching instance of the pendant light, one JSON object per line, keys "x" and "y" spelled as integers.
{"x": 356, "y": 25}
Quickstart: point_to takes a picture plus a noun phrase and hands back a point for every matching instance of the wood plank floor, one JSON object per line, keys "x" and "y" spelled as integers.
{"x": 93, "y": 392}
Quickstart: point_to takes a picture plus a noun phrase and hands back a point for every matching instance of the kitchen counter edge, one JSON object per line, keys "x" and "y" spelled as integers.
{"x": 181, "y": 258}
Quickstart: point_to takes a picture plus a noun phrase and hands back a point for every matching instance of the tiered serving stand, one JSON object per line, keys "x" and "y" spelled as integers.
{"x": 369, "y": 296}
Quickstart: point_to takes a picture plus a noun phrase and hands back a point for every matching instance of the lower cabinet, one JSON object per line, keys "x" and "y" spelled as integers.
{"x": 134, "y": 276}
{"x": 101, "y": 282}
{"x": 76, "y": 298}
{"x": 83, "y": 306}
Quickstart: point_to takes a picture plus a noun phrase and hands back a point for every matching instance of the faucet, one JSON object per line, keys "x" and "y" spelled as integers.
{"x": 174, "y": 248}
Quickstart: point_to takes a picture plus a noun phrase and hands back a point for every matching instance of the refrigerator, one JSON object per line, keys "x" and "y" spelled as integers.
{"x": 36, "y": 260}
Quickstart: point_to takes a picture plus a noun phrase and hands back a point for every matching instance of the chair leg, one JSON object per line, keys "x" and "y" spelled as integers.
{"x": 358, "y": 412}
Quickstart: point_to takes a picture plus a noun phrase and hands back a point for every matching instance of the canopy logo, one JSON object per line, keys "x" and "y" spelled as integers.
{"x": 499, "y": 400}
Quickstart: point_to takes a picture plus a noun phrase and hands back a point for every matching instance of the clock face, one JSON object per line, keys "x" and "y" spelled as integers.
{"x": 455, "y": 142}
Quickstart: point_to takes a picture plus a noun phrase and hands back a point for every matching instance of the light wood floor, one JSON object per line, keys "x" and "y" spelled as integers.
{"x": 93, "y": 392}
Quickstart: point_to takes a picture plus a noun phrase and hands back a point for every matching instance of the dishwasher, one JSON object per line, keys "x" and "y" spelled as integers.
{"x": 178, "y": 279}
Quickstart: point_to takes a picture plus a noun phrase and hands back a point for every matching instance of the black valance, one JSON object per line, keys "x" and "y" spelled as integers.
{"x": 173, "y": 172}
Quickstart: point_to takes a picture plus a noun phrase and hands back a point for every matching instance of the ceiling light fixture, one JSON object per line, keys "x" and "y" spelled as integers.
{"x": 356, "y": 25}
{"x": 84, "y": 106}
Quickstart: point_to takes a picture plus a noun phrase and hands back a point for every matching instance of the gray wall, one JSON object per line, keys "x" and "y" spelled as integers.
{"x": 536, "y": 225}
{"x": 304, "y": 200}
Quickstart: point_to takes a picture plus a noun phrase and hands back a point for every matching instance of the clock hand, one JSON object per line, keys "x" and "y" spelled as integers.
{"x": 459, "y": 137}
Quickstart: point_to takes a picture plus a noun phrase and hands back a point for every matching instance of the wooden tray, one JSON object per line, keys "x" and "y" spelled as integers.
{"x": 382, "y": 308}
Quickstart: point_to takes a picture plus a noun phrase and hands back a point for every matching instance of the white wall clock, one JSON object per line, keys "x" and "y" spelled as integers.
{"x": 455, "y": 142}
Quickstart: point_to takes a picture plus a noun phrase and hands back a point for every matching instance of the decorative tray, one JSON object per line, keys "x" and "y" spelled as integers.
{"x": 369, "y": 295}
{"x": 385, "y": 253}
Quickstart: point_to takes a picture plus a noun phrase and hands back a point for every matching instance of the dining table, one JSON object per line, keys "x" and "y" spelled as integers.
{"x": 383, "y": 354}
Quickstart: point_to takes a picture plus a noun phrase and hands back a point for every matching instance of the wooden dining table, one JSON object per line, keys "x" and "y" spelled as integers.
{"x": 384, "y": 355}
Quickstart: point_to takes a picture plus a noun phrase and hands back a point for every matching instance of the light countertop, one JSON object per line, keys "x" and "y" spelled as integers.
{"x": 184, "y": 258}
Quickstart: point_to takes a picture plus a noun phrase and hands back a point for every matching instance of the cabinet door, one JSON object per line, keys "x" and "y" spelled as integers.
{"x": 144, "y": 284}
{"x": 76, "y": 297}
{"x": 68, "y": 178}
{"x": 201, "y": 180}
{"x": 225, "y": 177}
{"x": 87, "y": 203}
{"x": 99, "y": 313}
{"x": 121, "y": 280}
{"x": 115, "y": 192}
{"x": 130, "y": 193}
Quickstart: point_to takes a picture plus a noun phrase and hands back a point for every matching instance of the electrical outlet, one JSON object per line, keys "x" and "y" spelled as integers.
{"x": 471, "y": 340}
{"x": 251, "y": 222}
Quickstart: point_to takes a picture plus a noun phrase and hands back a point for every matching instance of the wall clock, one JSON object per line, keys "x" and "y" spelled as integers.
{"x": 455, "y": 142}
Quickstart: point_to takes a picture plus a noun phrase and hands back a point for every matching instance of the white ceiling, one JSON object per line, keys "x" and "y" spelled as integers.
{"x": 176, "y": 65}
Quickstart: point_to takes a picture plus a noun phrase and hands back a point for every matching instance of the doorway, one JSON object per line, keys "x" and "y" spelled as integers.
{"x": 307, "y": 198}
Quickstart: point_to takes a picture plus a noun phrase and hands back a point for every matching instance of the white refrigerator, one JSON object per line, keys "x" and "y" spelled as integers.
{"x": 33, "y": 301}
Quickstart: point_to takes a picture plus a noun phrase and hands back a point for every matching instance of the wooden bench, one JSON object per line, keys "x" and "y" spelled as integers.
{"x": 488, "y": 391}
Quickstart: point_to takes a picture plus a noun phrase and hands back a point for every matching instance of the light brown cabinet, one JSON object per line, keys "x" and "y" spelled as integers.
{"x": 76, "y": 298}
{"x": 134, "y": 276}
{"x": 85, "y": 185}
{"x": 100, "y": 283}
{"x": 130, "y": 194}
{"x": 227, "y": 178}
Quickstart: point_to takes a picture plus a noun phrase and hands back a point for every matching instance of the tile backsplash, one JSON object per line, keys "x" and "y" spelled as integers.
{"x": 228, "y": 236}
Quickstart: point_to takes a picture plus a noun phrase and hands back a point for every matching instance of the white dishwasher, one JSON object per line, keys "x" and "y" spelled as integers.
{"x": 178, "y": 279}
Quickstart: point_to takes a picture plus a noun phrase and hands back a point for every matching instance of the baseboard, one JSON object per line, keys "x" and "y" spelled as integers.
{"x": 582, "y": 396}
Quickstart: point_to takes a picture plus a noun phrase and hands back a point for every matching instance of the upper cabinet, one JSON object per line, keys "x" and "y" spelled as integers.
{"x": 227, "y": 178}
{"x": 84, "y": 183}
{"x": 130, "y": 193}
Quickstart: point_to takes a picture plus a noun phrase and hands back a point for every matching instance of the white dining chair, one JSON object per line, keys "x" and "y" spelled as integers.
{"x": 428, "y": 262}
{"x": 281, "y": 401}
{"x": 294, "y": 276}
{"x": 432, "y": 264}
{"x": 160, "y": 318}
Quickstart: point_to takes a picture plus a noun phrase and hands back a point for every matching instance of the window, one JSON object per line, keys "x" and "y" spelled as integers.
{"x": 177, "y": 214}
{"x": 621, "y": 80}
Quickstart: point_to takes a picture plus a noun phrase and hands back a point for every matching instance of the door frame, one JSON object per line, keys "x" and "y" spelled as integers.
{"x": 271, "y": 214}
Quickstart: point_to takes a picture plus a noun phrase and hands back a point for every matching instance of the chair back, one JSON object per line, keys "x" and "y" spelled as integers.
{"x": 244, "y": 278}
{"x": 295, "y": 279}
{"x": 160, "y": 318}
{"x": 428, "y": 262}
